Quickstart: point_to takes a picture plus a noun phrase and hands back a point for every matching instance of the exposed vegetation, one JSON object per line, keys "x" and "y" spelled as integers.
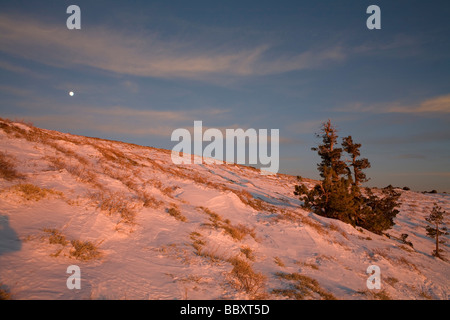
{"x": 116, "y": 203}
{"x": 202, "y": 250}
{"x": 248, "y": 253}
{"x": 246, "y": 278}
{"x": 175, "y": 212}
{"x": 56, "y": 237}
{"x": 302, "y": 287}
{"x": 339, "y": 195}
{"x": 237, "y": 232}
{"x": 7, "y": 168}
{"x": 78, "y": 249}
{"x": 30, "y": 192}
{"x": 279, "y": 262}
{"x": 84, "y": 250}
{"x": 436, "y": 228}
{"x": 4, "y": 293}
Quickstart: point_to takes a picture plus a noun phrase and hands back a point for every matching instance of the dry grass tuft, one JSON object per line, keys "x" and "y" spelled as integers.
{"x": 308, "y": 264}
{"x": 180, "y": 253}
{"x": 175, "y": 212}
{"x": 56, "y": 237}
{"x": 148, "y": 200}
{"x": 301, "y": 287}
{"x": 248, "y": 199}
{"x": 248, "y": 253}
{"x": 245, "y": 277}
{"x": 279, "y": 262}
{"x": 237, "y": 232}
{"x": 79, "y": 171}
{"x": 84, "y": 250}
{"x": 294, "y": 216}
{"x": 30, "y": 192}
{"x": 116, "y": 156}
{"x": 80, "y": 250}
{"x": 391, "y": 281}
{"x": 116, "y": 203}
{"x": 201, "y": 250}
{"x": 7, "y": 168}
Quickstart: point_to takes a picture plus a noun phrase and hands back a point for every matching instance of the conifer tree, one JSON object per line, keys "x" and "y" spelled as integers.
{"x": 338, "y": 195}
{"x": 436, "y": 228}
{"x": 330, "y": 154}
{"x": 358, "y": 165}
{"x": 378, "y": 213}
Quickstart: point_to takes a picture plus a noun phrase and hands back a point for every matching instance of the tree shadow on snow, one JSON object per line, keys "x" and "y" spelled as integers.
{"x": 9, "y": 240}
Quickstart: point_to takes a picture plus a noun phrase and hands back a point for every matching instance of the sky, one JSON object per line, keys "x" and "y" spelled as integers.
{"x": 141, "y": 69}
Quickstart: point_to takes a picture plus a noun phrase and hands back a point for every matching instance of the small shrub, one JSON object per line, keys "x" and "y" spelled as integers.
{"x": 247, "y": 279}
{"x": 84, "y": 250}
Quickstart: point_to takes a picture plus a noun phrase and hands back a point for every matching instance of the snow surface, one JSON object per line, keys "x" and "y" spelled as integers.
{"x": 154, "y": 257}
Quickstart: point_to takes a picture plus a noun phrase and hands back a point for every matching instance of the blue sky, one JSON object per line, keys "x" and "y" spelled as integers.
{"x": 141, "y": 69}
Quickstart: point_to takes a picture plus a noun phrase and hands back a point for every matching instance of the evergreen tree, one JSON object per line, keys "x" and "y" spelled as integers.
{"x": 358, "y": 165}
{"x": 338, "y": 195}
{"x": 379, "y": 212}
{"x": 331, "y": 156}
{"x": 435, "y": 228}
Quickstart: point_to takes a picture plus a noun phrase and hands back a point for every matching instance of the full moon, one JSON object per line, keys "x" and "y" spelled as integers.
{"x": 71, "y": 93}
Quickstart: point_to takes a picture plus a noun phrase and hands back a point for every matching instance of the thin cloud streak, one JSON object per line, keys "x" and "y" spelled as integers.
{"x": 426, "y": 174}
{"x": 144, "y": 54}
{"x": 439, "y": 104}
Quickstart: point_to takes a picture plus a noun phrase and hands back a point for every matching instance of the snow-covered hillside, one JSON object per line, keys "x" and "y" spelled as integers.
{"x": 140, "y": 227}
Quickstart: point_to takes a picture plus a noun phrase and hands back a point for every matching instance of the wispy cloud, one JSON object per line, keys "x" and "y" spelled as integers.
{"x": 17, "y": 91}
{"x": 422, "y": 137}
{"x": 5, "y": 65}
{"x": 145, "y": 54}
{"x": 426, "y": 174}
{"x": 439, "y": 104}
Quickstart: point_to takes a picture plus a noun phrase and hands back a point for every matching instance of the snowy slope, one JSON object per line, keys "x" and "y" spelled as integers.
{"x": 173, "y": 232}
